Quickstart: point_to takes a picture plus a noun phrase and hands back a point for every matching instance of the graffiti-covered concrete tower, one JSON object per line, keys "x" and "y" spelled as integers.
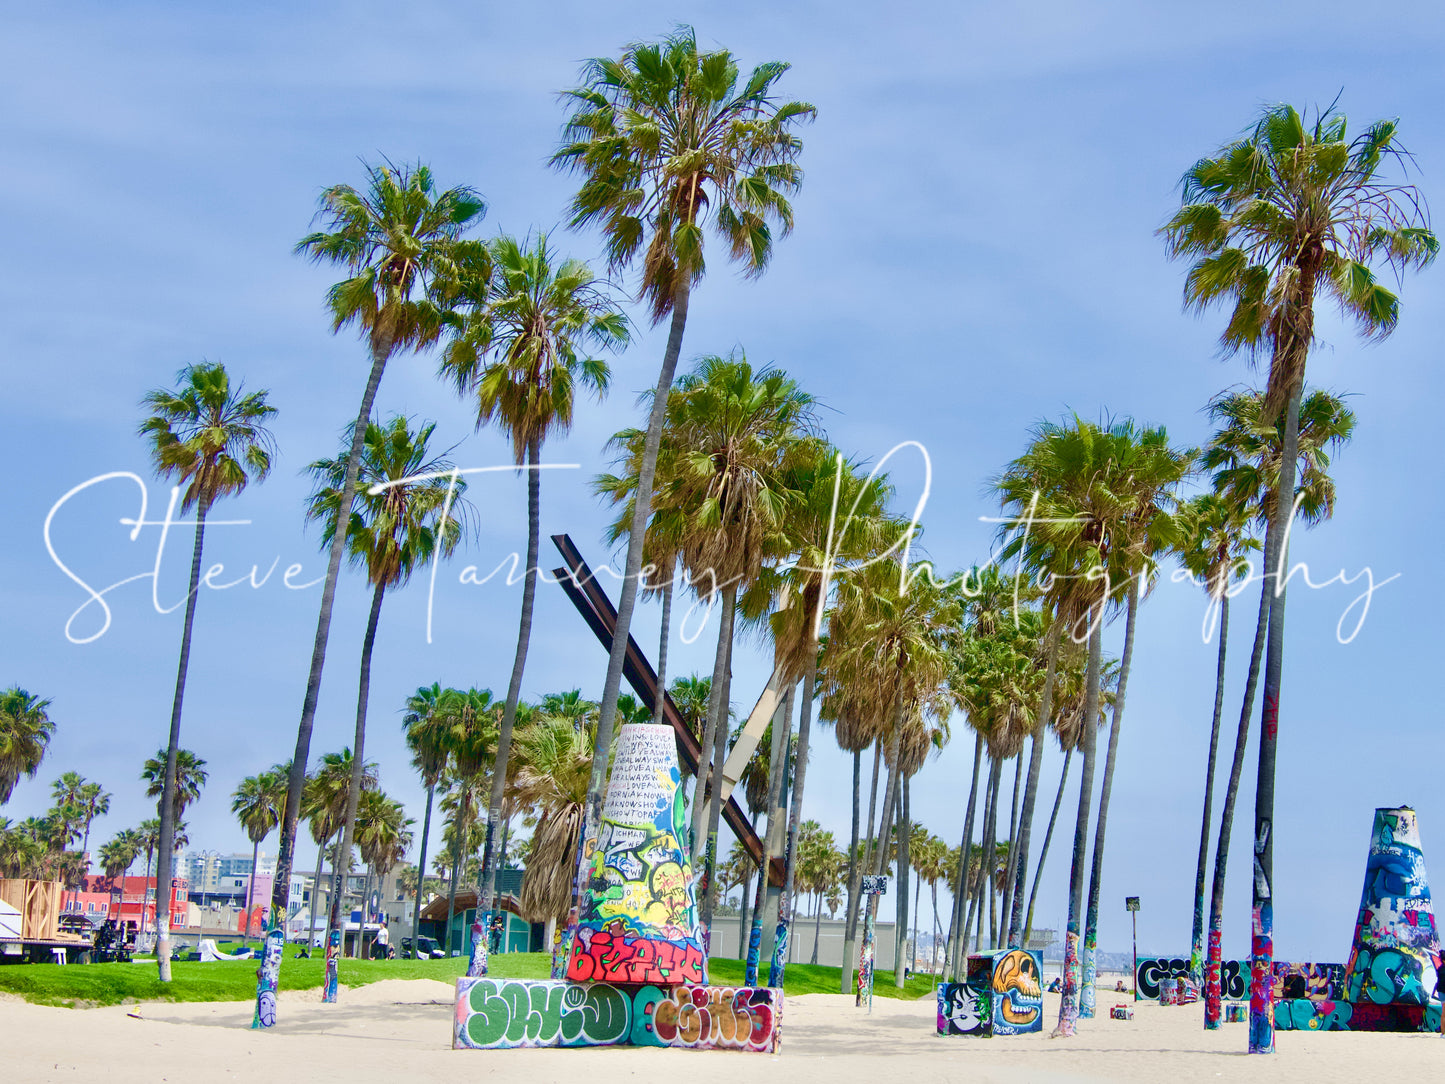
{"x": 1390, "y": 974}
{"x": 638, "y": 921}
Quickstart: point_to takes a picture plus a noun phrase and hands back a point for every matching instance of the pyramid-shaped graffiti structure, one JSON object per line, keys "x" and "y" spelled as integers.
{"x": 638, "y": 919}
{"x": 1393, "y": 959}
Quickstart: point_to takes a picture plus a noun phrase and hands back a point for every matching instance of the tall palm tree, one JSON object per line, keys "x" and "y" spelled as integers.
{"x": 554, "y": 767}
{"x": 25, "y": 732}
{"x": 1272, "y": 220}
{"x": 522, "y": 354}
{"x": 150, "y": 835}
{"x": 328, "y": 791}
{"x": 736, "y": 435}
{"x": 471, "y": 721}
{"x": 188, "y": 775}
{"x": 1074, "y": 480}
{"x": 211, "y": 437}
{"x": 668, "y": 142}
{"x": 401, "y": 244}
{"x": 383, "y": 833}
{"x": 116, "y": 857}
{"x": 1147, "y": 472}
{"x": 1215, "y": 539}
{"x": 257, "y": 802}
{"x": 406, "y": 515}
{"x": 1245, "y": 455}
{"x": 424, "y": 727}
{"x": 837, "y": 519}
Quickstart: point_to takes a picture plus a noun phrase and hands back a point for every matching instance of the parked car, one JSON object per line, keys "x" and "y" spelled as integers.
{"x": 427, "y": 948}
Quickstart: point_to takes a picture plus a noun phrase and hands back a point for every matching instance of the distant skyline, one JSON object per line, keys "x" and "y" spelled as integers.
{"x": 975, "y": 252}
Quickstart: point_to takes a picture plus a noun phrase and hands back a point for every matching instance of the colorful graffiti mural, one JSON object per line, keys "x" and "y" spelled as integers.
{"x": 638, "y": 922}
{"x": 1312, "y": 982}
{"x": 1149, "y": 976}
{"x": 1302, "y": 1014}
{"x": 1236, "y": 1012}
{"x": 1122, "y": 1012}
{"x": 1392, "y": 962}
{"x": 333, "y": 957}
{"x": 1000, "y": 995}
{"x": 499, "y": 1013}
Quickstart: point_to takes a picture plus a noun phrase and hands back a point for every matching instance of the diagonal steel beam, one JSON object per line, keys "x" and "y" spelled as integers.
{"x": 581, "y": 587}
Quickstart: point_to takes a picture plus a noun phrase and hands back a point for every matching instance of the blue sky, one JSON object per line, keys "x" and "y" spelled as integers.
{"x": 975, "y": 251}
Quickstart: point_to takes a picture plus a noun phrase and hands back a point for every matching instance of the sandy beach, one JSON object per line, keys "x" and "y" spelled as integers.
{"x": 402, "y": 1030}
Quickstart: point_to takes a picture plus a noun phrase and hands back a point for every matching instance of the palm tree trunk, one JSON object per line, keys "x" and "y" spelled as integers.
{"x": 421, "y": 873}
{"x": 960, "y": 892}
{"x": 979, "y": 878}
{"x": 663, "y": 637}
{"x": 719, "y": 754}
{"x": 268, "y": 976}
{"x": 166, "y": 851}
{"x": 1044, "y": 850}
{"x": 477, "y": 965}
{"x": 1213, "y": 991}
{"x": 251, "y": 892}
{"x": 889, "y": 790}
{"x": 901, "y": 955}
{"x": 149, "y": 852}
{"x": 800, "y": 774}
{"x": 937, "y": 929}
{"x": 1031, "y": 788}
{"x": 776, "y": 840}
{"x": 627, "y": 599}
{"x": 1261, "y": 1008}
{"x": 1013, "y": 828}
{"x": 855, "y": 869}
{"x": 1196, "y": 940}
{"x": 743, "y": 922}
{"x": 452, "y": 891}
{"x": 706, "y": 770}
{"x": 873, "y": 800}
{"x": 817, "y": 931}
{"x": 358, "y": 771}
{"x": 1096, "y": 874}
{"x": 1069, "y": 1002}
{"x": 991, "y": 864}
{"x": 316, "y": 894}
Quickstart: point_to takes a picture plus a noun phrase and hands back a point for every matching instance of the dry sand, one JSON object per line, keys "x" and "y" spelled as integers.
{"x": 401, "y": 1030}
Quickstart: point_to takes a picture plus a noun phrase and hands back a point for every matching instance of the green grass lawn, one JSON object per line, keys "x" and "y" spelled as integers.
{"x": 84, "y": 985}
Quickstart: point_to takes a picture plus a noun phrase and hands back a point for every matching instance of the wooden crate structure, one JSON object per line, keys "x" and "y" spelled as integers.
{"x": 38, "y": 903}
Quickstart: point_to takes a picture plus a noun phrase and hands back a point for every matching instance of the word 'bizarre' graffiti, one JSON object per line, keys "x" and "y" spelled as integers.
{"x": 499, "y": 1013}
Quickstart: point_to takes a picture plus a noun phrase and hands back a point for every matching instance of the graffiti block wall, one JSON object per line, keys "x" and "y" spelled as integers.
{"x": 501, "y": 1013}
{"x": 1000, "y": 995}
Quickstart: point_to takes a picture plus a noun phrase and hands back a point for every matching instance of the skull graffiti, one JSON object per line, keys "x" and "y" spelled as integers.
{"x": 1016, "y": 981}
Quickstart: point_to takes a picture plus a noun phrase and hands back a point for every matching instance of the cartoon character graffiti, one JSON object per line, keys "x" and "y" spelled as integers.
{"x": 962, "y": 1010}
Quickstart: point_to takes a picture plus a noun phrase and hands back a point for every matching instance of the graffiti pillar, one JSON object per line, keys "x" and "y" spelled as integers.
{"x": 638, "y": 921}
{"x": 873, "y": 887}
{"x": 1393, "y": 959}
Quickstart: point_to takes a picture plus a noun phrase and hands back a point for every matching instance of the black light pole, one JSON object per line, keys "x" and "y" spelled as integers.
{"x": 1132, "y": 904}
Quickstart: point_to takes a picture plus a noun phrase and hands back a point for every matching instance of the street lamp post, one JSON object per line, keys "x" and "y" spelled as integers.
{"x": 1131, "y": 903}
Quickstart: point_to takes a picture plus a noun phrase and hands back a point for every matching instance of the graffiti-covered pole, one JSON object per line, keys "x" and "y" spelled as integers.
{"x": 873, "y": 887}
{"x": 1131, "y": 903}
